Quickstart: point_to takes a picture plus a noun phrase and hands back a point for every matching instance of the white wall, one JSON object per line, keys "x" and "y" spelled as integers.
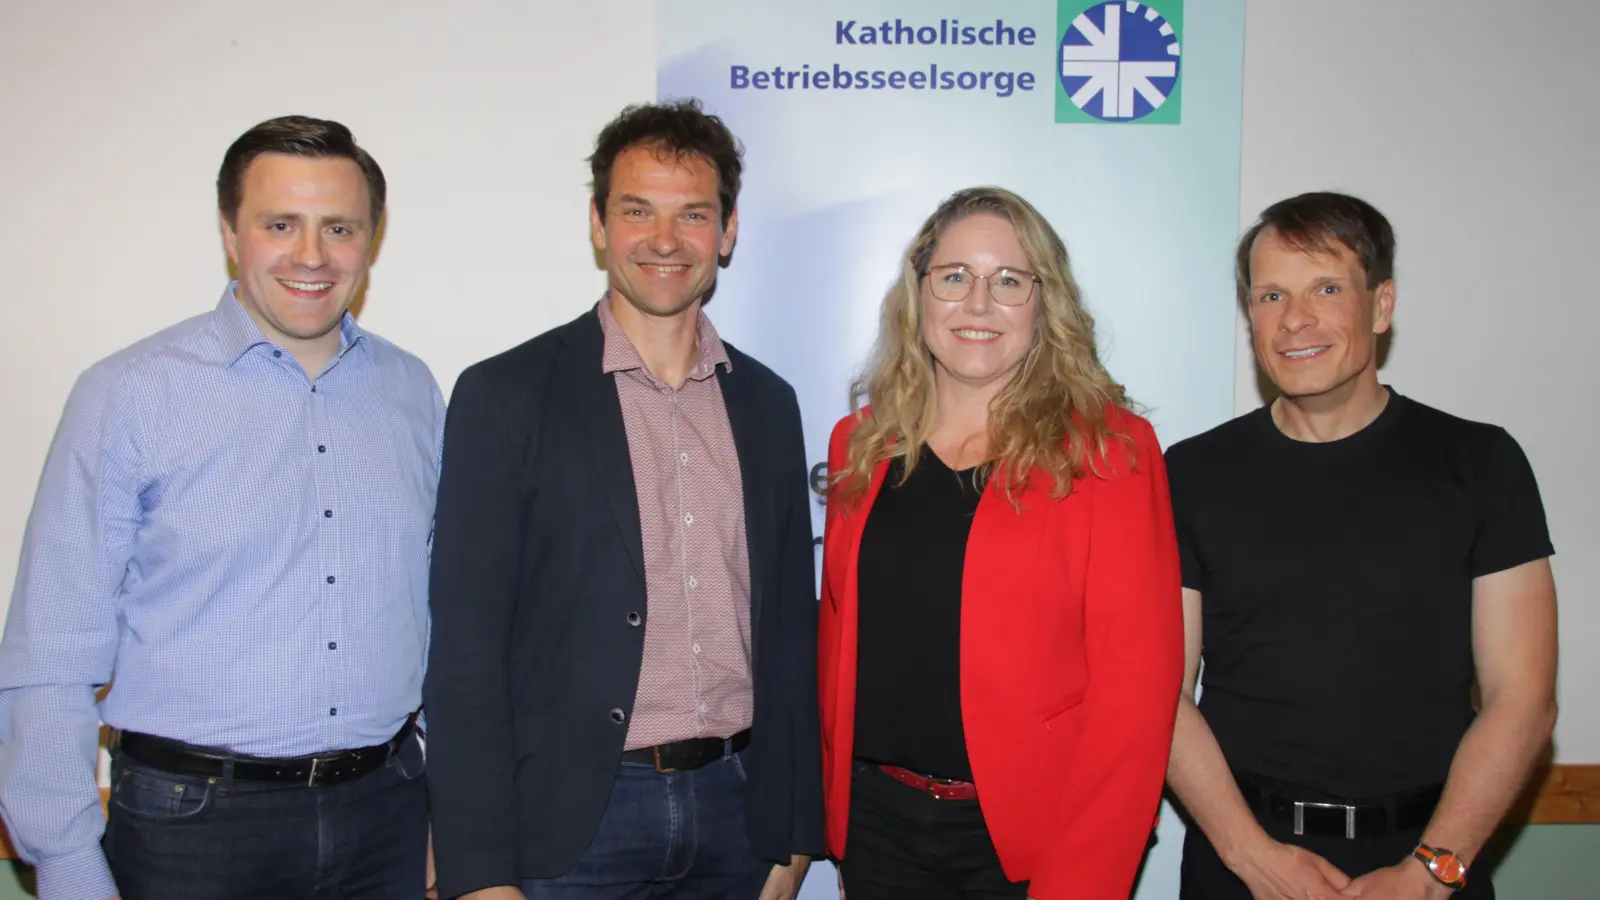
{"x": 1471, "y": 123}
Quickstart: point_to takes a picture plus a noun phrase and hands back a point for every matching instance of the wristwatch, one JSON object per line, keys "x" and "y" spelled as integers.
{"x": 1446, "y": 867}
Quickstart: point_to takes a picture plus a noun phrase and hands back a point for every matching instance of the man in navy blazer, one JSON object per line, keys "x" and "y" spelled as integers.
{"x": 621, "y": 692}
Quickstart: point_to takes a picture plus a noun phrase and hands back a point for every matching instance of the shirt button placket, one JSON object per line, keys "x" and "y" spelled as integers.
{"x": 325, "y": 479}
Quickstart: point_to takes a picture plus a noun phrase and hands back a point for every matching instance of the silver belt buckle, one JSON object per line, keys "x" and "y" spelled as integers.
{"x": 311, "y": 781}
{"x": 1300, "y": 817}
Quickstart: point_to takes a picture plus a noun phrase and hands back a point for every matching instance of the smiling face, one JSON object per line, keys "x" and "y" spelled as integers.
{"x": 300, "y": 241}
{"x": 976, "y": 341}
{"x": 1314, "y": 320}
{"x": 662, "y": 233}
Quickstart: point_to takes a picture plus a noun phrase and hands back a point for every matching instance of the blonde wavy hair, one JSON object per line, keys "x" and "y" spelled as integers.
{"x": 1052, "y": 415}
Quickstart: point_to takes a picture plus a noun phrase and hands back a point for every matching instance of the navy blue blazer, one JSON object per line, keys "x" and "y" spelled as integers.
{"x": 537, "y": 566}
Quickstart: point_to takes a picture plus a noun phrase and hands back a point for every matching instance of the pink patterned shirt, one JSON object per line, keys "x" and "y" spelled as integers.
{"x": 695, "y": 681}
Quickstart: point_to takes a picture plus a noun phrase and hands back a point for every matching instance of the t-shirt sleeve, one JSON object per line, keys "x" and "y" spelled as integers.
{"x": 1511, "y": 528}
{"x": 1178, "y": 481}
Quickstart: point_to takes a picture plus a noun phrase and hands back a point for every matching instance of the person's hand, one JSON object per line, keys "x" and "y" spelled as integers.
{"x": 783, "y": 882}
{"x": 1408, "y": 880}
{"x": 431, "y": 891}
{"x": 503, "y": 892}
{"x": 839, "y": 875}
{"x": 1275, "y": 871}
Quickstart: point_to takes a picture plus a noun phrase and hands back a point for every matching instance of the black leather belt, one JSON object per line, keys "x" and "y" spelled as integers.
{"x": 682, "y": 756}
{"x": 1321, "y": 818}
{"x": 324, "y": 770}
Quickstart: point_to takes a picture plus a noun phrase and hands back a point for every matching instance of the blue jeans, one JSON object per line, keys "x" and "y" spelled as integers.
{"x": 185, "y": 837}
{"x": 666, "y": 835}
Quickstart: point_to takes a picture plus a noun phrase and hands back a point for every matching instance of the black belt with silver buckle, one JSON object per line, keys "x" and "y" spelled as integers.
{"x": 1321, "y": 818}
{"x": 323, "y": 770}
{"x": 682, "y": 756}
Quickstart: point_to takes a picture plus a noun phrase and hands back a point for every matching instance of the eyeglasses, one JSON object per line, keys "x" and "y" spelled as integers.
{"x": 1008, "y": 287}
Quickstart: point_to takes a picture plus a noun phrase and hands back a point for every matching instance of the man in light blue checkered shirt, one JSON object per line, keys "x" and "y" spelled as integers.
{"x": 232, "y": 531}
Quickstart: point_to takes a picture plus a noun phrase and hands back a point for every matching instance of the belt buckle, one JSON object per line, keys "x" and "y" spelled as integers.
{"x": 1300, "y": 817}
{"x": 655, "y": 752}
{"x": 311, "y": 779}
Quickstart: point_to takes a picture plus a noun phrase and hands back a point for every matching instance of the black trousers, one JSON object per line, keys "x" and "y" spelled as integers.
{"x": 1204, "y": 877}
{"x": 905, "y": 845}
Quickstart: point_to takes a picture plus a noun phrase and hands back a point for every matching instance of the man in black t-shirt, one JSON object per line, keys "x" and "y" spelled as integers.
{"x": 1353, "y": 561}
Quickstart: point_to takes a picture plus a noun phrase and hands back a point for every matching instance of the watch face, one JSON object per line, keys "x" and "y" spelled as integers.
{"x": 1448, "y": 867}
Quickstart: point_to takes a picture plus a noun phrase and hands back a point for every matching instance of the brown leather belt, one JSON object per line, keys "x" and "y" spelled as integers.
{"x": 689, "y": 754}
{"x": 937, "y": 788}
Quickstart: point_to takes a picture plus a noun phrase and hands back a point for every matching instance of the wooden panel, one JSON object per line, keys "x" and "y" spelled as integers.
{"x": 1566, "y": 795}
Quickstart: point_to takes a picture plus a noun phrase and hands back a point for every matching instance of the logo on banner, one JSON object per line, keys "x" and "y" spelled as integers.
{"x": 1119, "y": 62}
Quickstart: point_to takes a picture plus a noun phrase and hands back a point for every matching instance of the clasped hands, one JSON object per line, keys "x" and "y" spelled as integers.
{"x": 1279, "y": 871}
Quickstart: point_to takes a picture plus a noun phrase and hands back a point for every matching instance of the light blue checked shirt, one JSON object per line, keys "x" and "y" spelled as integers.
{"x": 242, "y": 551}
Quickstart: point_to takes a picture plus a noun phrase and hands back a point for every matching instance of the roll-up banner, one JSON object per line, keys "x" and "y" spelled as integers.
{"x": 1119, "y": 121}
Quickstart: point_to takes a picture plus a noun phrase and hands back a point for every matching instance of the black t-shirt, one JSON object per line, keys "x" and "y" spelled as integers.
{"x": 908, "y": 659}
{"x": 1336, "y": 584}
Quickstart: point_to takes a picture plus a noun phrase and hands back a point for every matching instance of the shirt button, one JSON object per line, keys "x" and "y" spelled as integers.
{"x": 322, "y": 448}
{"x": 634, "y": 619}
{"x": 334, "y": 711}
{"x": 693, "y": 582}
{"x": 618, "y": 716}
{"x": 313, "y": 389}
{"x": 683, "y": 459}
{"x": 333, "y": 645}
{"x": 327, "y": 514}
{"x": 277, "y": 353}
{"x": 688, "y": 518}
{"x": 330, "y": 579}
{"x": 696, "y": 649}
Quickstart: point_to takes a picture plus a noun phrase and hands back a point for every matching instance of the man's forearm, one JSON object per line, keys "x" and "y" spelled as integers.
{"x": 1489, "y": 770}
{"x": 1199, "y": 775}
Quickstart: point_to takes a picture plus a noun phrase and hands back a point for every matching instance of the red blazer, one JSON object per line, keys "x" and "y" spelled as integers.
{"x": 1071, "y": 664}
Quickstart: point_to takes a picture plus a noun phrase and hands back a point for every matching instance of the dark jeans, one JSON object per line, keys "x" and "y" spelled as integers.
{"x": 1204, "y": 877}
{"x": 183, "y": 837}
{"x": 666, "y": 835}
{"x": 905, "y": 845}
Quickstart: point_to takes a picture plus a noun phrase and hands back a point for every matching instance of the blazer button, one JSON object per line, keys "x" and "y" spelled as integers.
{"x": 634, "y": 619}
{"x": 618, "y": 715}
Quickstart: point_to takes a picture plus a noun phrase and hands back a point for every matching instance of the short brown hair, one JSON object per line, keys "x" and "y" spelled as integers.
{"x": 1311, "y": 222}
{"x": 295, "y": 136}
{"x": 678, "y": 129}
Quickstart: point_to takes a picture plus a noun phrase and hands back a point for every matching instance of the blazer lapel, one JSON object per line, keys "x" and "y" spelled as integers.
{"x": 594, "y": 397}
{"x": 852, "y": 523}
{"x": 744, "y": 420}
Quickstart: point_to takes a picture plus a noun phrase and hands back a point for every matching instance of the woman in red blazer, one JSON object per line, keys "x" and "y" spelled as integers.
{"x": 1001, "y": 640}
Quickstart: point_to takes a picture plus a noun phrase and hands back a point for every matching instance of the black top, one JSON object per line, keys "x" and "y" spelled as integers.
{"x": 1337, "y": 589}
{"x": 908, "y": 669}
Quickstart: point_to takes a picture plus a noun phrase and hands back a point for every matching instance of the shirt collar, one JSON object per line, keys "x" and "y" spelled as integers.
{"x": 240, "y": 333}
{"x": 620, "y": 355}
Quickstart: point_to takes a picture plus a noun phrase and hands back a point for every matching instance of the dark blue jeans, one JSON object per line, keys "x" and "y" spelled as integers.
{"x": 678, "y": 835}
{"x": 183, "y": 837}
